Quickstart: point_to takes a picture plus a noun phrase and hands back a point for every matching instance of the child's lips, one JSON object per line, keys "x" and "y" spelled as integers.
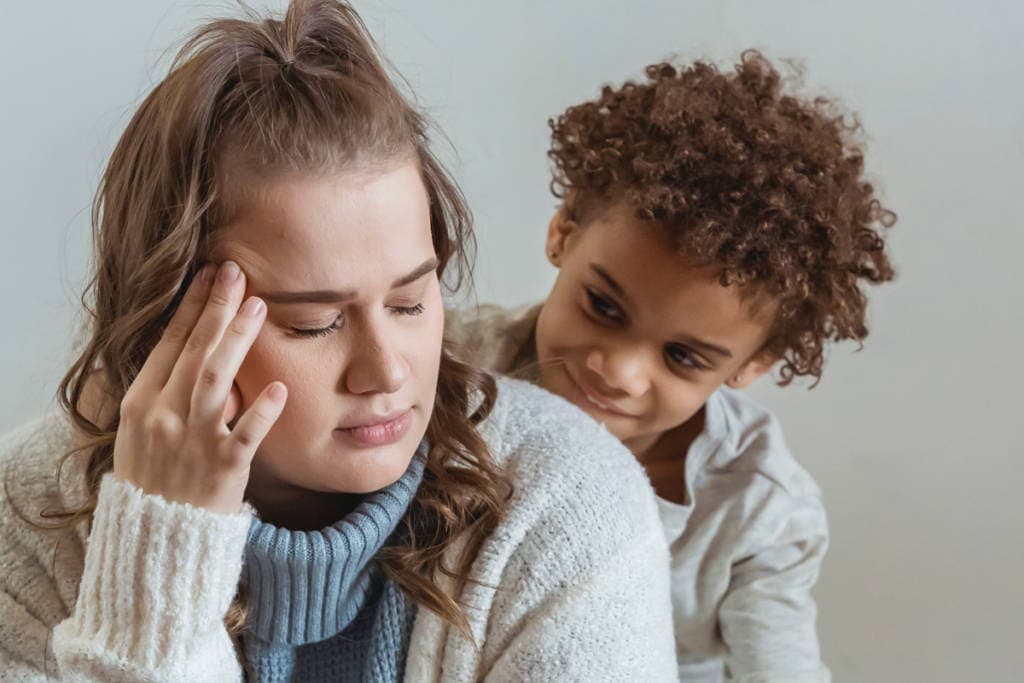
{"x": 596, "y": 399}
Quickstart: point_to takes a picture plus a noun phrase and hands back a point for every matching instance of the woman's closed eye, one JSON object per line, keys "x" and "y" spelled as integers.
{"x": 319, "y": 331}
{"x": 407, "y": 310}
{"x": 337, "y": 324}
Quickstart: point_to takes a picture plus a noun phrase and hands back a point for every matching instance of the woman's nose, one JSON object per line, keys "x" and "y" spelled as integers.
{"x": 376, "y": 365}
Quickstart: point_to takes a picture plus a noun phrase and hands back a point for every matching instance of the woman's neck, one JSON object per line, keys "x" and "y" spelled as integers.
{"x": 291, "y": 507}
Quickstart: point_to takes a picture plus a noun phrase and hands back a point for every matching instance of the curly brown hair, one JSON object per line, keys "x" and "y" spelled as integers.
{"x": 763, "y": 185}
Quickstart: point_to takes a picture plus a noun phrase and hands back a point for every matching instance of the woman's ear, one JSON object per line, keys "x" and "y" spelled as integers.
{"x": 559, "y": 230}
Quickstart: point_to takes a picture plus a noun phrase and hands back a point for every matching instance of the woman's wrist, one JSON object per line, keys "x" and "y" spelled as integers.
{"x": 157, "y": 573}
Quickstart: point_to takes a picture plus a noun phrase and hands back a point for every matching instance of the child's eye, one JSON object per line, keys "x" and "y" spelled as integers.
{"x": 319, "y": 331}
{"x": 602, "y": 307}
{"x": 681, "y": 356}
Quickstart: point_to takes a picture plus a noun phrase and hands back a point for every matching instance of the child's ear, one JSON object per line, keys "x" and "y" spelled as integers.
{"x": 750, "y": 371}
{"x": 559, "y": 230}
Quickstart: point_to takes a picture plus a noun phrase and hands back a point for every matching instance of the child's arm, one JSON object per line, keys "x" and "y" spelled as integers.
{"x": 767, "y": 616}
{"x": 157, "y": 581}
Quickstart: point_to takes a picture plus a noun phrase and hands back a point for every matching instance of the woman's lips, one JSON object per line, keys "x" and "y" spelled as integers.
{"x": 378, "y": 431}
{"x": 594, "y": 399}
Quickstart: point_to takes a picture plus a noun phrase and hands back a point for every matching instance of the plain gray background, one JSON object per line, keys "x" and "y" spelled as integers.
{"x": 913, "y": 439}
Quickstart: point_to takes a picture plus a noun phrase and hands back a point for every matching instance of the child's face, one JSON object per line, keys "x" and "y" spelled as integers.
{"x": 633, "y": 335}
{"x": 367, "y": 238}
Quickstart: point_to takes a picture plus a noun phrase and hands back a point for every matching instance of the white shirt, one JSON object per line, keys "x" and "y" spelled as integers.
{"x": 746, "y": 547}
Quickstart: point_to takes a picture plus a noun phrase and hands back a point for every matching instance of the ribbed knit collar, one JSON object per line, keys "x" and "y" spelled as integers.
{"x": 306, "y": 586}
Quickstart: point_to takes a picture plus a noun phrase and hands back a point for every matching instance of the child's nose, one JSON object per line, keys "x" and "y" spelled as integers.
{"x": 623, "y": 370}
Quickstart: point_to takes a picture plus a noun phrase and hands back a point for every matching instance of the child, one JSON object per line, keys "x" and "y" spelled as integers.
{"x": 272, "y": 226}
{"x": 712, "y": 227}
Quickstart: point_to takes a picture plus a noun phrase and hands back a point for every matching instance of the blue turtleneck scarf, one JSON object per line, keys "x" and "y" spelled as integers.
{"x": 321, "y": 609}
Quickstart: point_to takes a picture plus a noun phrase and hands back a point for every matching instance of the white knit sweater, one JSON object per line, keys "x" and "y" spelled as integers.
{"x": 573, "y": 585}
{"x": 746, "y": 546}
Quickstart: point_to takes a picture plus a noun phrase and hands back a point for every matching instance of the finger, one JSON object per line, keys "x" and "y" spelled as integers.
{"x": 221, "y": 307}
{"x": 160, "y": 362}
{"x": 233, "y": 406}
{"x": 256, "y": 422}
{"x": 217, "y": 376}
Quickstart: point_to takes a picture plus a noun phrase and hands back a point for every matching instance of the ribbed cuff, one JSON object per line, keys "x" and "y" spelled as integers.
{"x": 158, "y": 578}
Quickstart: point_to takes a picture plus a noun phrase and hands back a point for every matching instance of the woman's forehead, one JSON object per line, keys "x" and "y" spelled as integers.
{"x": 307, "y": 228}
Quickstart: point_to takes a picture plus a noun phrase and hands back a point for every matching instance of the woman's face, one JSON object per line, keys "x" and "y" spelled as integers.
{"x": 346, "y": 266}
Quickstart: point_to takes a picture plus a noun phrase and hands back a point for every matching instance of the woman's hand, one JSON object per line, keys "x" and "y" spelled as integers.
{"x": 174, "y": 439}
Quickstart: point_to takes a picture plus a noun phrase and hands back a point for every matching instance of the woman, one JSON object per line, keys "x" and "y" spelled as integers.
{"x": 274, "y": 466}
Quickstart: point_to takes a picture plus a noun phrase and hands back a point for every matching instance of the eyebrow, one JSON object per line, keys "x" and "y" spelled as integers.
{"x": 610, "y": 281}
{"x": 337, "y": 296}
{"x": 687, "y": 339}
{"x": 707, "y": 346}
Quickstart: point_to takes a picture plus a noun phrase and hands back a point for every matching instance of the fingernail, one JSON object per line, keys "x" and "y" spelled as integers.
{"x": 276, "y": 392}
{"x": 229, "y": 271}
{"x": 252, "y": 307}
{"x": 206, "y": 274}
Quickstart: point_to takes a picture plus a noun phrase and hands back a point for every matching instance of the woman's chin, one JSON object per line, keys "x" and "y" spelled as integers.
{"x": 374, "y": 478}
{"x": 368, "y": 469}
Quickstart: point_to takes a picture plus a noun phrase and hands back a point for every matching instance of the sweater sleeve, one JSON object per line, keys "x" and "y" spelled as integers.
{"x": 767, "y": 617}
{"x": 157, "y": 580}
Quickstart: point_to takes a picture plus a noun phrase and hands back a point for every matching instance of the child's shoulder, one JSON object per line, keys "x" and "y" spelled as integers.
{"x": 752, "y": 442}
{"x": 486, "y": 315}
{"x": 488, "y": 335}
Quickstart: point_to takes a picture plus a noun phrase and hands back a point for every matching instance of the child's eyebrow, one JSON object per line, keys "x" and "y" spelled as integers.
{"x": 335, "y": 296}
{"x": 610, "y": 281}
{"x": 687, "y": 339}
{"x": 707, "y": 346}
